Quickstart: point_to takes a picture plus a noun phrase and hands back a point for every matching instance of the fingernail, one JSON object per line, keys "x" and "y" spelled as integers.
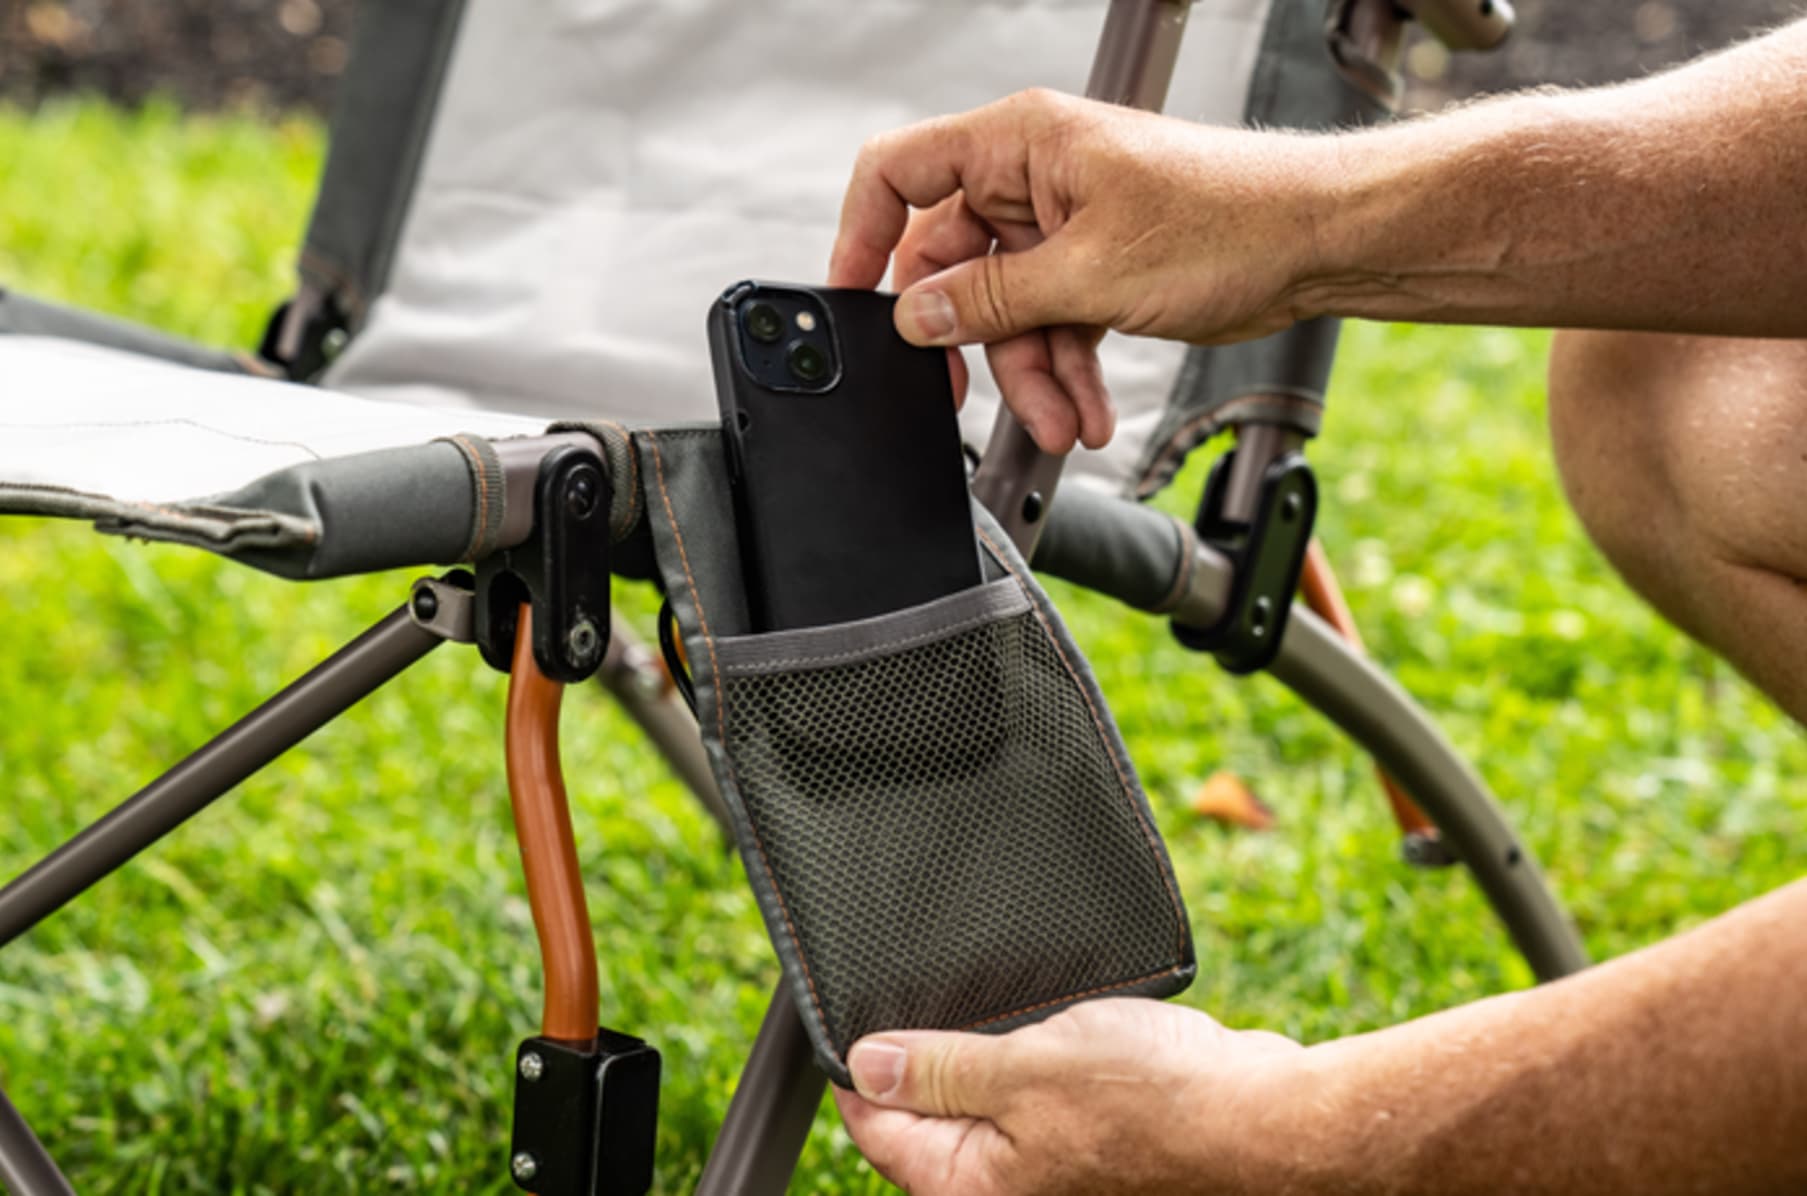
{"x": 877, "y": 1068}
{"x": 927, "y": 314}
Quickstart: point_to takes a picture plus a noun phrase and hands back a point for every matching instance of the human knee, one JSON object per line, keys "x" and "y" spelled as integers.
{"x": 1603, "y": 391}
{"x": 1670, "y": 444}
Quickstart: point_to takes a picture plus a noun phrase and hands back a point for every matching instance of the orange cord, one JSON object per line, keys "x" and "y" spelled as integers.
{"x": 542, "y": 818}
{"x": 1318, "y": 586}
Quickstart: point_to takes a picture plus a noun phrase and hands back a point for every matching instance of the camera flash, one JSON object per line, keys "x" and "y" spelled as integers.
{"x": 806, "y": 321}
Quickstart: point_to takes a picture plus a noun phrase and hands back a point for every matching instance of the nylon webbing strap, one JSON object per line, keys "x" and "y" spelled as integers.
{"x": 384, "y": 110}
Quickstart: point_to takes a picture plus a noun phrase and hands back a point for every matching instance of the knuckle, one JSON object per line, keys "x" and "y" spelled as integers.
{"x": 991, "y": 295}
{"x": 871, "y": 153}
{"x": 936, "y": 1082}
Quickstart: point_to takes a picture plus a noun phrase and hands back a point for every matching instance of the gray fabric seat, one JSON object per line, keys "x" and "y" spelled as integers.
{"x": 594, "y": 176}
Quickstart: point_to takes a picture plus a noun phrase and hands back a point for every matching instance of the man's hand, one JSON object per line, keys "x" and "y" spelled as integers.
{"x": 1672, "y": 1071}
{"x": 1121, "y": 1095}
{"x": 1043, "y": 220}
{"x": 1668, "y": 204}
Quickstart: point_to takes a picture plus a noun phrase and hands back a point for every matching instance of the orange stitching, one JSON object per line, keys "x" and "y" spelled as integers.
{"x": 1103, "y": 736}
{"x": 1078, "y": 996}
{"x": 479, "y": 538}
{"x": 721, "y": 727}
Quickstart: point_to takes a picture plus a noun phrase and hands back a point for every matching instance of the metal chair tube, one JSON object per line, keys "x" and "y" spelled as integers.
{"x": 26, "y": 1168}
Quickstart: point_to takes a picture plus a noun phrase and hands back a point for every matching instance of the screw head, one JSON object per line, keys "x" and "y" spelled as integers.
{"x": 426, "y": 604}
{"x": 532, "y": 1067}
{"x": 1033, "y": 506}
{"x": 580, "y": 496}
{"x": 1290, "y": 507}
{"x": 583, "y": 644}
{"x": 523, "y": 1167}
{"x": 1258, "y": 617}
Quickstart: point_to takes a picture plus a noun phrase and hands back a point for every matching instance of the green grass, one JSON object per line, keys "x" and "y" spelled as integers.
{"x": 317, "y": 985}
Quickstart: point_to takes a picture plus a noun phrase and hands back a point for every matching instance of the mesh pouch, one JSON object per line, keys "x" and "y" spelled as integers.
{"x": 934, "y": 808}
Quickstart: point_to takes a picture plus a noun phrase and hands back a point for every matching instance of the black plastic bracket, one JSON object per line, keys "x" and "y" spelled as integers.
{"x": 561, "y": 570}
{"x": 304, "y": 335}
{"x": 1268, "y": 554}
{"x": 585, "y": 1116}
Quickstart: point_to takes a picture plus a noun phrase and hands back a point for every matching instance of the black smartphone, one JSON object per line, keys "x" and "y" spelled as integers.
{"x": 844, "y": 454}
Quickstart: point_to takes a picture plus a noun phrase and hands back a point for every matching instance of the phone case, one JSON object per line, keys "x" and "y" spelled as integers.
{"x": 853, "y": 501}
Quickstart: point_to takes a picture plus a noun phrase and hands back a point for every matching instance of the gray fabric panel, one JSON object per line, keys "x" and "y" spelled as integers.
{"x": 1135, "y": 554}
{"x": 1279, "y": 379}
{"x": 845, "y": 643}
{"x": 24, "y": 316}
{"x": 1296, "y": 86}
{"x": 683, "y": 469}
{"x": 380, "y": 122}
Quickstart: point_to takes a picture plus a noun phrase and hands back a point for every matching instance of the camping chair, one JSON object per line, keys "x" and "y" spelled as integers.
{"x": 425, "y": 441}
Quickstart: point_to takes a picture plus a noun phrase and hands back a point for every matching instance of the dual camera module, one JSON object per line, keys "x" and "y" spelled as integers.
{"x": 785, "y": 340}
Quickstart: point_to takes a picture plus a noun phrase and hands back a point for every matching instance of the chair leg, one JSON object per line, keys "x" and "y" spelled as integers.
{"x": 26, "y": 1168}
{"x": 773, "y": 1107}
{"x": 1319, "y": 665}
{"x": 1322, "y": 593}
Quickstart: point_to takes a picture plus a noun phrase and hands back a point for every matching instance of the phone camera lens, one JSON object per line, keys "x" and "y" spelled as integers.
{"x": 764, "y": 324}
{"x": 809, "y": 363}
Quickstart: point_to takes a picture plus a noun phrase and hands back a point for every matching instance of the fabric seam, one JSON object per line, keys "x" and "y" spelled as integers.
{"x": 721, "y": 730}
{"x": 948, "y": 631}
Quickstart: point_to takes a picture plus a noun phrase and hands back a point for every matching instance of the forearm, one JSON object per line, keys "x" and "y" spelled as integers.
{"x": 1672, "y": 203}
{"x": 1681, "y": 1068}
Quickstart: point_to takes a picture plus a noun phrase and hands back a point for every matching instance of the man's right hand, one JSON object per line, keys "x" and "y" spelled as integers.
{"x": 1044, "y": 220}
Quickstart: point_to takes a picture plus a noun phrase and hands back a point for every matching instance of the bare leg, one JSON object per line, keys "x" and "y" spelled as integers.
{"x": 1686, "y": 460}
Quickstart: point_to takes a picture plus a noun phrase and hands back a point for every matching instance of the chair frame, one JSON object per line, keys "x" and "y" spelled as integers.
{"x": 780, "y": 1088}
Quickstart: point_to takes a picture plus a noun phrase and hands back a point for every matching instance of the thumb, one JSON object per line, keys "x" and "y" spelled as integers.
{"x": 935, "y": 1074}
{"x": 994, "y": 297}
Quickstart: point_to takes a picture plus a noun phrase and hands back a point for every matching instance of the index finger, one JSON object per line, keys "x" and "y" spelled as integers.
{"x": 916, "y": 166}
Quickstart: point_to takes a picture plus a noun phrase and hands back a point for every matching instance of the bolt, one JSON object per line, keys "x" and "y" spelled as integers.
{"x": 583, "y": 644}
{"x": 523, "y": 1167}
{"x": 1032, "y": 506}
{"x": 580, "y": 496}
{"x": 426, "y": 604}
{"x": 1258, "y": 617}
{"x": 1289, "y": 509}
{"x": 532, "y": 1066}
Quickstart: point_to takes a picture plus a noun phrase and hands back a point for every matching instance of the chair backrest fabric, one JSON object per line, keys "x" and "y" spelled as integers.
{"x": 597, "y": 171}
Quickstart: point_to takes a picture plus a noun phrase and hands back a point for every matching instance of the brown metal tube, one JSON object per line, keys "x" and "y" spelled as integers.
{"x": 542, "y": 819}
{"x": 1318, "y": 586}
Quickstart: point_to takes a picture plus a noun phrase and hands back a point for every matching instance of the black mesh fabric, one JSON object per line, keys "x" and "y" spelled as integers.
{"x": 950, "y": 839}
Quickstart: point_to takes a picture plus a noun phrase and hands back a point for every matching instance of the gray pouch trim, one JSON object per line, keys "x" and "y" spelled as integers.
{"x": 690, "y": 512}
{"x": 847, "y": 643}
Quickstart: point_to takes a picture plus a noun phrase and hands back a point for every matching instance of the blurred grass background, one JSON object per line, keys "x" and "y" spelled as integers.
{"x": 317, "y": 985}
